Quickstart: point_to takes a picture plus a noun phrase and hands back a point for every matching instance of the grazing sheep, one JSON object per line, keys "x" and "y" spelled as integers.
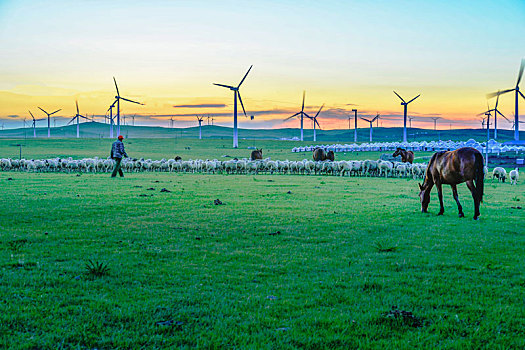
{"x": 499, "y": 173}
{"x": 514, "y": 175}
{"x": 386, "y": 167}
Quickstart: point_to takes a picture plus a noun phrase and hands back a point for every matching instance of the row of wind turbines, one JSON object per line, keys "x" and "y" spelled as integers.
{"x": 77, "y": 116}
{"x": 301, "y": 114}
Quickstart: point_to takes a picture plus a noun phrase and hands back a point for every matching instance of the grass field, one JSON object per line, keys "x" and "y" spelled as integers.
{"x": 335, "y": 263}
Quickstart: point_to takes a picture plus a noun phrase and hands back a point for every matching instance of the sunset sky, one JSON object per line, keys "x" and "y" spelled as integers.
{"x": 346, "y": 54}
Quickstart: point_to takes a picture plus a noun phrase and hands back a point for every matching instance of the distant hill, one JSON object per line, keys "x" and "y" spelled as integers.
{"x": 99, "y": 130}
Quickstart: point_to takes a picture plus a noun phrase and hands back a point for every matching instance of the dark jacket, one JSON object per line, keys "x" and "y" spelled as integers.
{"x": 117, "y": 150}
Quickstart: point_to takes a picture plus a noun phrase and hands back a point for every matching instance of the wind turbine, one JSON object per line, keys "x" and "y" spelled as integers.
{"x": 355, "y": 124}
{"x": 34, "y": 123}
{"x": 236, "y": 94}
{"x": 410, "y": 121}
{"x": 171, "y": 122}
{"x": 117, "y": 100}
{"x": 200, "y": 119}
{"x": 111, "y": 119}
{"x": 302, "y": 114}
{"x": 371, "y": 124}
{"x": 516, "y": 104}
{"x": 77, "y": 117}
{"x": 405, "y": 104}
{"x": 49, "y": 120}
{"x": 314, "y": 120}
{"x": 496, "y": 112}
{"x": 435, "y": 119}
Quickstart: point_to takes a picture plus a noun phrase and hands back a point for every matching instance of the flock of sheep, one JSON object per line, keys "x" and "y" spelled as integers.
{"x": 233, "y": 166}
{"x": 382, "y": 168}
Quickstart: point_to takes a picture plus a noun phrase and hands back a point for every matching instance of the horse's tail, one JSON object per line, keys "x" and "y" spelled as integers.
{"x": 479, "y": 176}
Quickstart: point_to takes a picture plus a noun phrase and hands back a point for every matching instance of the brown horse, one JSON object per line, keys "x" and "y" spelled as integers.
{"x": 321, "y": 155}
{"x": 452, "y": 168}
{"x": 257, "y": 154}
{"x": 406, "y": 156}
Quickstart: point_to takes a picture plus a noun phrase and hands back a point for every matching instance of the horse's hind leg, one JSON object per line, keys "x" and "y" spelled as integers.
{"x": 440, "y": 196}
{"x": 473, "y": 190}
{"x": 456, "y": 197}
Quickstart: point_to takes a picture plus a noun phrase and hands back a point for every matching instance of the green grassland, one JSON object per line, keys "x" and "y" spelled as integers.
{"x": 286, "y": 262}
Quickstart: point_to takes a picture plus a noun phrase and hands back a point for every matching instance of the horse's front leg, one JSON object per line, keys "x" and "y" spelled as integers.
{"x": 440, "y": 196}
{"x": 473, "y": 190}
{"x": 456, "y": 197}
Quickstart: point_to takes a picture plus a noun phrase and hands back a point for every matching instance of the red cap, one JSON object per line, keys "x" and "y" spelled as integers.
{"x": 120, "y": 137}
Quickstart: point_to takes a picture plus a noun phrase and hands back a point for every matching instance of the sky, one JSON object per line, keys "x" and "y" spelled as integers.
{"x": 344, "y": 54}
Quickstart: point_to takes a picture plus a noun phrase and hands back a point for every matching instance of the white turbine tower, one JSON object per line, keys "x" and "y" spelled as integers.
{"x": 77, "y": 117}
{"x": 236, "y": 94}
{"x": 314, "y": 121}
{"x": 516, "y": 100}
{"x": 371, "y": 124}
{"x": 49, "y": 120}
{"x": 117, "y": 100}
{"x": 200, "y": 119}
{"x": 405, "y": 104}
{"x": 34, "y": 123}
{"x": 302, "y": 114}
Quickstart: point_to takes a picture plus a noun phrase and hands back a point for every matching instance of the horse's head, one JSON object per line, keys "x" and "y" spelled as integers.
{"x": 397, "y": 152}
{"x": 330, "y": 155}
{"x": 424, "y": 197}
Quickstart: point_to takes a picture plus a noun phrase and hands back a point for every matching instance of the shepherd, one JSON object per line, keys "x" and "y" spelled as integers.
{"x": 452, "y": 168}
{"x": 117, "y": 152}
{"x": 406, "y": 156}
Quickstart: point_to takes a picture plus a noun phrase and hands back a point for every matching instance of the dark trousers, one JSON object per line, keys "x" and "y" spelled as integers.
{"x": 117, "y": 168}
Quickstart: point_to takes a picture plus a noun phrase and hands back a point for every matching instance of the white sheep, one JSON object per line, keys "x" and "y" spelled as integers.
{"x": 499, "y": 173}
{"x": 514, "y": 175}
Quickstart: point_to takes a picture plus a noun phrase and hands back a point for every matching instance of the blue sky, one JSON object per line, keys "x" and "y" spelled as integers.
{"x": 341, "y": 52}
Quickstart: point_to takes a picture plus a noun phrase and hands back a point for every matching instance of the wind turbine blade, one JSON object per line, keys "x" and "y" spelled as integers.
{"x": 32, "y": 116}
{"x": 226, "y": 86}
{"x": 116, "y": 87}
{"x": 42, "y": 110}
{"x": 399, "y": 96}
{"x": 240, "y": 100}
{"x": 125, "y": 99}
{"x": 497, "y": 100}
{"x": 302, "y": 108}
{"x": 249, "y": 69}
{"x": 319, "y": 111}
{"x": 494, "y": 94}
{"x": 316, "y": 122}
{"x": 520, "y": 74}
{"x": 296, "y": 114}
{"x": 522, "y": 95}
{"x": 58, "y": 110}
{"x": 498, "y": 112}
{"x": 71, "y": 120}
{"x": 77, "y": 106}
{"x": 365, "y": 119}
{"x": 413, "y": 98}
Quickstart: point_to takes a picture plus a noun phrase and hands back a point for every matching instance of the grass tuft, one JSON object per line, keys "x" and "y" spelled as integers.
{"x": 380, "y": 248}
{"x": 400, "y": 318}
{"x": 96, "y": 269}
{"x": 17, "y": 244}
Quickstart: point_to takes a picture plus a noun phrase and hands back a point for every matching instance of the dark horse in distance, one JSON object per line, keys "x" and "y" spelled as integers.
{"x": 406, "y": 156}
{"x": 452, "y": 168}
{"x": 321, "y": 155}
{"x": 257, "y": 154}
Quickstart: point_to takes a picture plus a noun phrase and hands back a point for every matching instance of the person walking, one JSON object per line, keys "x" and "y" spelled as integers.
{"x": 117, "y": 152}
